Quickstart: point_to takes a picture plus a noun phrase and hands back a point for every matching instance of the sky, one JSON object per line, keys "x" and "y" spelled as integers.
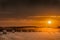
{"x": 28, "y": 12}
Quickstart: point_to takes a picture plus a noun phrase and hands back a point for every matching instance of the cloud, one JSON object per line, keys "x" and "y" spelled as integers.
{"x": 15, "y": 12}
{"x": 25, "y": 8}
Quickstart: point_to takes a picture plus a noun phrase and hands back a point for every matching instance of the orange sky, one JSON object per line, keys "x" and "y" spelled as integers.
{"x": 41, "y": 21}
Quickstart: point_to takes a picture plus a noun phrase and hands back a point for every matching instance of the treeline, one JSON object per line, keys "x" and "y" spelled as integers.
{"x": 19, "y": 28}
{"x": 22, "y": 28}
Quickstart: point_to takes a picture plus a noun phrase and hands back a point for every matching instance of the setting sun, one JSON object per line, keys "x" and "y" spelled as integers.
{"x": 49, "y": 22}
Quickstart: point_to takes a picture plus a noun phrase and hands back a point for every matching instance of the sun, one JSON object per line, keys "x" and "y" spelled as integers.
{"x": 49, "y": 22}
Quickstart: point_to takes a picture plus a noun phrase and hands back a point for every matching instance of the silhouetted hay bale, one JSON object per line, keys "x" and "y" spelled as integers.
{"x": 33, "y": 31}
{"x": 1, "y": 30}
{"x": 29, "y": 30}
{"x": 18, "y": 30}
{"x": 24, "y": 30}
{"x": 39, "y": 31}
{"x": 9, "y": 30}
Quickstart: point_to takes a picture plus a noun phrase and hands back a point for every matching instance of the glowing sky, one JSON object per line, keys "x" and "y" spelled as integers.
{"x": 29, "y": 12}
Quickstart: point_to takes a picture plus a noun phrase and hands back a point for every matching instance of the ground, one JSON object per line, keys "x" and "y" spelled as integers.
{"x": 30, "y": 36}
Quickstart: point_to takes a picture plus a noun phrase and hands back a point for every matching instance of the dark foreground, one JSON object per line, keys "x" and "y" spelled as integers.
{"x": 45, "y": 34}
{"x": 31, "y": 36}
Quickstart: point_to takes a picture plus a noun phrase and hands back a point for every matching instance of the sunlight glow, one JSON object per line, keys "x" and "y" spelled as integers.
{"x": 49, "y": 30}
{"x": 49, "y": 22}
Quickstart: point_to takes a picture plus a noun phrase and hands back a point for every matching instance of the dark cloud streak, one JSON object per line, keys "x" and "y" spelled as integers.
{"x": 24, "y": 8}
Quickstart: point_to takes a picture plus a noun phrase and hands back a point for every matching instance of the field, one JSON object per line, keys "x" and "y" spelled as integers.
{"x": 44, "y": 35}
